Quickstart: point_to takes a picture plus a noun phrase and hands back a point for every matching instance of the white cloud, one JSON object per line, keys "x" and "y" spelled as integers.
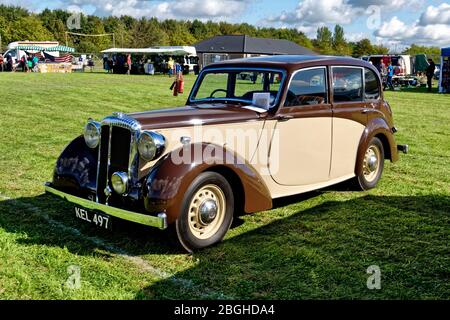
{"x": 176, "y": 9}
{"x": 435, "y": 34}
{"x": 436, "y": 15}
{"x": 387, "y": 4}
{"x": 314, "y": 12}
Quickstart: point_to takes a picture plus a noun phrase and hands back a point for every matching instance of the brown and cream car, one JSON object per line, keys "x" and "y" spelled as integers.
{"x": 253, "y": 130}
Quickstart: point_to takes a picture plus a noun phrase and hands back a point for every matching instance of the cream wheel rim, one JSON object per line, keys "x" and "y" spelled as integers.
{"x": 371, "y": 165}
{"x": 206, "y": 211}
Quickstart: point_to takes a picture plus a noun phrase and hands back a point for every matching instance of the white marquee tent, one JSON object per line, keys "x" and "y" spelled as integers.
{"x": 175, "y": 50}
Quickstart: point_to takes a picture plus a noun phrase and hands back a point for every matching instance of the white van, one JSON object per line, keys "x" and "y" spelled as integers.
{"x": 17, "y": 54}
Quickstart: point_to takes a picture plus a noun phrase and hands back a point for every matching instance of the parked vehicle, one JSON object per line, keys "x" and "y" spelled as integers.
{"x": 302, "y": 123}
{"x": 19, "y": 49}
{"x": 404, "y": 63}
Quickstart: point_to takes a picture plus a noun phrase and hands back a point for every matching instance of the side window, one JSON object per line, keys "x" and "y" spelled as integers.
{"x": 372, "y": 90}
{"x": 347, "y": 84}
{"x": 308, "y": 87}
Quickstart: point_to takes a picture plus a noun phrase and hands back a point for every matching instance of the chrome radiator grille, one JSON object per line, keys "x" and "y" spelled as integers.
{"x": 117, "y": 152}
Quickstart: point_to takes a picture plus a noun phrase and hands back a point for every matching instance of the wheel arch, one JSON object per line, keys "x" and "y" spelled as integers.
{"x": 168, "y": 180}
{"x": 76, "y": 168}
{"x": 378, "y": 128}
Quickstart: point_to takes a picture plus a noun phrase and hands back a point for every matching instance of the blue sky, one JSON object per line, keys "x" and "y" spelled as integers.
{"x": 394, "y": 23}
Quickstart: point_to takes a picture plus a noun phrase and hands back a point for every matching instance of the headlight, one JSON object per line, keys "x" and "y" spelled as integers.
{"x": 151, "y": 145}
{"x": 92, "y": 134}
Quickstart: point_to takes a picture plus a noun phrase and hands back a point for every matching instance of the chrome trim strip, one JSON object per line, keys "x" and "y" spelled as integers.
{"x": 108, "y": 194}
{"x": 159, "y": 222}
{"x": 98, "y": 166}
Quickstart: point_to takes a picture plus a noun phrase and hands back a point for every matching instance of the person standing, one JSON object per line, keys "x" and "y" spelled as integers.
{"x": 35, "y": 63}
{"x": 171, "y": 65}
{"x": 430, "y": 74}
{"x": 105, "y": 63}
{"x": 390, "y": 74}
{"x": 9, "y": 63}
{"x": 129, "y": 64}
{"x": 110, "y": 65}
{"x": 91, "y": 63}
{"x": 2, "y": 63}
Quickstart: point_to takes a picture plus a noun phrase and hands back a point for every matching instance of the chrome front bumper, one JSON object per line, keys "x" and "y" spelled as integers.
{"x": 160, "y": 221}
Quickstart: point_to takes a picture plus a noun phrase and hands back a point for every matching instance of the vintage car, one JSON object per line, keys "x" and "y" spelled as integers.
{"x": 253, "y": 130}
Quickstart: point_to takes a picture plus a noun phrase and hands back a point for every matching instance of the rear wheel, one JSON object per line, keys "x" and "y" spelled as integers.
{"x": 372, "y": 167}
{"x": 207, "y": 212}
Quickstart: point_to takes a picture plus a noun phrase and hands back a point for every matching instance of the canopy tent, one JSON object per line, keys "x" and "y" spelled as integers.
{"x": 421, "y": 64}
{"x": 175, "y": 51}
{"x": 29, "y": 48}
{"x": 50, "y": 49}
{"x": 59, "y": 48}
{"x": 445, "y": 52}
{"x": 444, "y": 76}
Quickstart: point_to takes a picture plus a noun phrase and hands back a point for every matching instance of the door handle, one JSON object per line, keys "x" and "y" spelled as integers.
{"x": 365, "y": 110}
{"x": 285, "y": 118}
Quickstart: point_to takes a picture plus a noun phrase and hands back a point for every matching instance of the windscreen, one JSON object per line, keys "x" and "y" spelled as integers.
{"x": 238, "y": 85}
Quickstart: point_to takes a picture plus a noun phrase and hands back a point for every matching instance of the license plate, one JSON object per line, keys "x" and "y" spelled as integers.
{"x": 101, "y": 220}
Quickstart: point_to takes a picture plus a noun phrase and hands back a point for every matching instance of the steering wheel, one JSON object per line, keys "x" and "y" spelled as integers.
{"x": 215, "y": 91}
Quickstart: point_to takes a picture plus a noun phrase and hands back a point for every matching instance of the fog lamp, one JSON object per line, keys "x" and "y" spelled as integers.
{"x": 119, "y": 181}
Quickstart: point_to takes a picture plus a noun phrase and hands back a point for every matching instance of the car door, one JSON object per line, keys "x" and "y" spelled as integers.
{"x": 300, "y": 151}
{"x": 349, "y": 118}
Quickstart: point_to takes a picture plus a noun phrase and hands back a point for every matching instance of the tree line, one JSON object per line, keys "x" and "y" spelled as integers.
{"x": 17, "y": 23}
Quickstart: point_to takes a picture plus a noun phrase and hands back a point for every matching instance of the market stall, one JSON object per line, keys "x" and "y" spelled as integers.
{"x": 444, "y": 77}
{"x": 150, "y": 60}
{"x": 56, "y": 63}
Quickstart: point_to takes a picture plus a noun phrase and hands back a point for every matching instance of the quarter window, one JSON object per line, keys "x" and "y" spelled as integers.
{"x": 347, "y": 84}
{"x": 372, "y": 90}
{"x": 308, "y": 87}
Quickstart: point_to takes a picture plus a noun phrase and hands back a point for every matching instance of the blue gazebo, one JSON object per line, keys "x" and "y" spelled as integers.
{"x": 444, "y": 76}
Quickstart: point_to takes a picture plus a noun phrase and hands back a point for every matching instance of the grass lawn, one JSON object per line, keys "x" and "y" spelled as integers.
{"x": 314, "y": 246}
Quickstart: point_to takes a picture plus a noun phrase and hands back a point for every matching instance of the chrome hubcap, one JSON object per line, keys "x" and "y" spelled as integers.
{"x": 208, "y": 211}
{"x": 371, "y": 163}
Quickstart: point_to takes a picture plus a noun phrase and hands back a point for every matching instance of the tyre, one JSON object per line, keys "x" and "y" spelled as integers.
{"x": 207, "y": 212}
{"x": 372, "y": 166}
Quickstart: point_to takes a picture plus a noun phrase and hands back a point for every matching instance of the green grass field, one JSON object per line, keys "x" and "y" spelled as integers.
{"x": 314, "y": 246}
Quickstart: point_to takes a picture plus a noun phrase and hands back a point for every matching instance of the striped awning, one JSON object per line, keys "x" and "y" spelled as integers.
{"x": 30, "y": 48}
{"x": 59, "y": 48}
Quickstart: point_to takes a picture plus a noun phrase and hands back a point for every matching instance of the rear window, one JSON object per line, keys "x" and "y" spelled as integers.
{"x": 347, "y": 84}
{"x": 372, "y": 89}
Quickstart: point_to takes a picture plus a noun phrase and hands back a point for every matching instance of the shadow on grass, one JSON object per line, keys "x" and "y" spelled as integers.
{"x": 324, "y": 252}
{"x": 318, "y": 253}
{"x": 28, "y": 216}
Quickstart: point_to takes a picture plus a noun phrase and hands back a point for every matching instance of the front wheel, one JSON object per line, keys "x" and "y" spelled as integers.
{"x": 207, "y": 212}
{"x": 372, "y": 167}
